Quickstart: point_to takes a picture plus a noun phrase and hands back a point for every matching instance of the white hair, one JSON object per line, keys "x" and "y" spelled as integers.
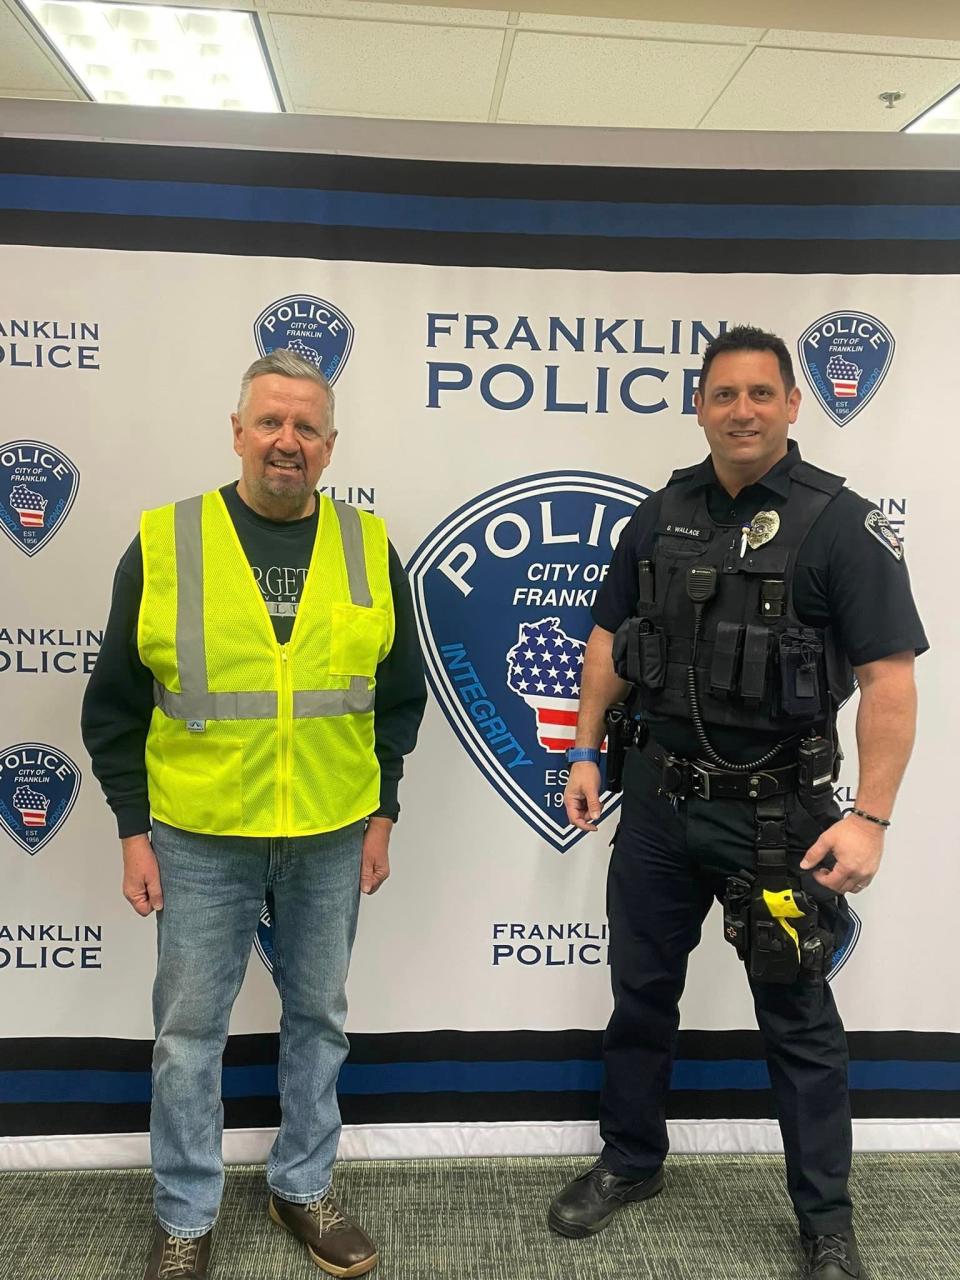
{"x": 288, "y": 364}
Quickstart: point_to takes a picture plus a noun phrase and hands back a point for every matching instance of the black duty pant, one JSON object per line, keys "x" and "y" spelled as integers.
{"x": 668, "y": 864}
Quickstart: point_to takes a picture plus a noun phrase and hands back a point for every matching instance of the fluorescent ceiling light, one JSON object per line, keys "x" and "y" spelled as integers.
{"x": 942, "y": 117}
{"x": 155, "y": 56}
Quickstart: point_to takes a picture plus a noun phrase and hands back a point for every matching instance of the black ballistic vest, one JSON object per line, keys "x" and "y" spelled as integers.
{"x": 757, "y": 666}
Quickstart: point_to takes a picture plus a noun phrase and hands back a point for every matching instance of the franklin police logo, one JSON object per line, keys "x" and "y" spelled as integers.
{"x": 311, "y": 327}
{"x": 38, "y": 786}
{"x": 845, "y": 943}
{"x": 37, "y": 487}
{"x": 502, "y": 591}
{"x": 263, "y": 938}
{"x": 845, "y": 357}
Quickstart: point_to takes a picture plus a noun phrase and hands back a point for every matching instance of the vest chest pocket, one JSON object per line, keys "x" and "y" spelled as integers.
{"x": 356, "y": 636}
{"x": 768, "y": 562}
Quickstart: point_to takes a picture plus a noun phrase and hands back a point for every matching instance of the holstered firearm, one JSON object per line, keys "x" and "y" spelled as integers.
{"x": 623, "y": 732}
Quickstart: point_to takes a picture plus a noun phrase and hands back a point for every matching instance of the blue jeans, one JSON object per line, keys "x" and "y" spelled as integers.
{"x": 213, "y": 891}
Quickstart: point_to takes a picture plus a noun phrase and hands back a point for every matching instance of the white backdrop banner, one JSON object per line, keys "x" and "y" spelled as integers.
{"x": 513, "y": 376}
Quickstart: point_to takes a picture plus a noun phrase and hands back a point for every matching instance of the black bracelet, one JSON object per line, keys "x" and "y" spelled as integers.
{"x": 861, "y": 813}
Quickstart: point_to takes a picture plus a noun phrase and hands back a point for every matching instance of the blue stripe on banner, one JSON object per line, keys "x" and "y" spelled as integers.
{"x": 463, "y": 1077}
{"x": 472, "y": 1077}
{"x": 235, "y": 203}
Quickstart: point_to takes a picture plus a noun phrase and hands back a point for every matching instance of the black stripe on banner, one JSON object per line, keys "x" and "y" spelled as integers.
{"x": 20, "y": 1120}
{"x": 682, "y": 1104}
{"x": 459, "y": 1108}
{"x": 68, "y": 1054}
{"x": 74, "y": 1054}
{"x": 224, "y": 165}
{"x": 446, "y": 248}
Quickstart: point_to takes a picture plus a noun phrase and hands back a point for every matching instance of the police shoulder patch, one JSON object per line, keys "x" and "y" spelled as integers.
{"x": 880, "y": 527}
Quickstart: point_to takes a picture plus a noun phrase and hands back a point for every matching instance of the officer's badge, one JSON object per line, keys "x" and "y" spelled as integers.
{"x": 845, "y": 356}
{"x": 38, "y": 787}
{"x": 763, "y": 527}
{"x": 880, "y": 527}
{"x": 502, "y": 591}
{"x": 311, "y": 327}
{"x": 37, "y": 487}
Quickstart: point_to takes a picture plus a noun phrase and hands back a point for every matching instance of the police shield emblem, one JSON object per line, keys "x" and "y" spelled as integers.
{"x": 311, "y": 327}
{"x": 38, "y": 787}
{"x": 502, "y": 591}
{"x": 37, "y": 487}
{"x": 844, "y": 943}
{"x": 845, "y": 357}
{"x": 263, "y": 938}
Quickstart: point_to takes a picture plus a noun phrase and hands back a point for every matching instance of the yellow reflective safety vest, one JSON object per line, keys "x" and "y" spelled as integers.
{"x": 249, "y": 737}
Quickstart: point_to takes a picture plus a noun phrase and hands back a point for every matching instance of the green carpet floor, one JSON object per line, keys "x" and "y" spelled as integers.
{"x": 720, "y": 1218}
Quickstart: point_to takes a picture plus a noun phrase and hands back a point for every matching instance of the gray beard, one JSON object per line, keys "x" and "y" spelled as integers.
{"x": 287, "y": 503}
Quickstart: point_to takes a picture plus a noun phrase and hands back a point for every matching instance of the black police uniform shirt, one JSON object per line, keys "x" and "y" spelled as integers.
{"x": 845, "y": 575}
{"x": 118, "y": 702}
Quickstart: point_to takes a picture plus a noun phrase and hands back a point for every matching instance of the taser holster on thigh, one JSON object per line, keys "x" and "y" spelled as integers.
{"x": 767, "y": 917}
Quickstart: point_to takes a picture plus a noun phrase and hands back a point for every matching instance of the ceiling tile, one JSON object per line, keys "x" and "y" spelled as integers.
{"x": 369, "y": 11}
{"x": 24, "y": 62}
{"x": 794, "y": 89}
{"x": 387, "y": 69}
{"x": 686, "y": 32}
{"x": 843, "y": 43}
{"x": 588, "y": 80}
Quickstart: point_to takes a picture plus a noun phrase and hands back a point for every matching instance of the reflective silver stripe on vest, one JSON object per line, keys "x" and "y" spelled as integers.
{"x": 191, "y": 651}
{"x": 196, "y": 702}
{"x": 360, "y": 696}
{"x": 215, "y": 706}
{"x": 351, "y": 535}
{"x": 311, "y": 703}
{"x": 308, "y": 704}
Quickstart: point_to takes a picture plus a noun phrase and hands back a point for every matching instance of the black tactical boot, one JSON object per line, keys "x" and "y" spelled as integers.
{"x": 830, "y": 1257}
{"x": 587, "y": 1204}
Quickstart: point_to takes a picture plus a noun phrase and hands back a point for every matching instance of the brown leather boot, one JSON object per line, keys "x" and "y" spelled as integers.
{"x": 335, "y": 1244}
{"x": 178, "y": 1257}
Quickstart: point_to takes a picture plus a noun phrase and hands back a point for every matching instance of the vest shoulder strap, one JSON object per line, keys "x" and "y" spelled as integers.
{"x": 815, "y": 478}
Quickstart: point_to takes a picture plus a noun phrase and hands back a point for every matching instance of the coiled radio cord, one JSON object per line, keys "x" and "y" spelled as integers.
{"x": 701, "y": 585}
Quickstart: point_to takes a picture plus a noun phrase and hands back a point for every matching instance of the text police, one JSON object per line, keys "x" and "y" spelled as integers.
{"x": 574, "y": 388}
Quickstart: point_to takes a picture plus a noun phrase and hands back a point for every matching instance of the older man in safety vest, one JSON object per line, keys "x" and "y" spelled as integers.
{"x": 258, "y": 686}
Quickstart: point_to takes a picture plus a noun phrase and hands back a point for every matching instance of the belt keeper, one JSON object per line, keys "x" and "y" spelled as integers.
{"x": 771, "y": 834}
{"x": 675, "y": 777}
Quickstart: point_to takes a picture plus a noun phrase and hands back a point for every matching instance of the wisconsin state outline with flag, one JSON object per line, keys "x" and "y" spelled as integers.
{"x": 543, "y": 668}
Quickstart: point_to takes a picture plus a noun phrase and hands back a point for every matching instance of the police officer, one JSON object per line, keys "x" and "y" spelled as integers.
{"x": 738, "y": 599}
{"x": 258, "y": 686}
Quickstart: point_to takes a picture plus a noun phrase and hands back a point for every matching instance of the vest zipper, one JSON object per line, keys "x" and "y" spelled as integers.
{"x": 285, "y": 709}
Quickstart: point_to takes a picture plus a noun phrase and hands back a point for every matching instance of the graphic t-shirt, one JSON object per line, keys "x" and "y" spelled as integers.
{"x": 279, "y": 553}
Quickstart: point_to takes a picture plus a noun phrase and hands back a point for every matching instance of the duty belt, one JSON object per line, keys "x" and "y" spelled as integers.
{"x": 680, "y": 778}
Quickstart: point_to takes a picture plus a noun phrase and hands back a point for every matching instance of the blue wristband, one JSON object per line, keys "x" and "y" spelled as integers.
{"x": 576, "y": 754}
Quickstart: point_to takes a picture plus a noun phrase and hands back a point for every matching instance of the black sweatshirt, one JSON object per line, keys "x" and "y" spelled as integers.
{"x": 118, "y": 702}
